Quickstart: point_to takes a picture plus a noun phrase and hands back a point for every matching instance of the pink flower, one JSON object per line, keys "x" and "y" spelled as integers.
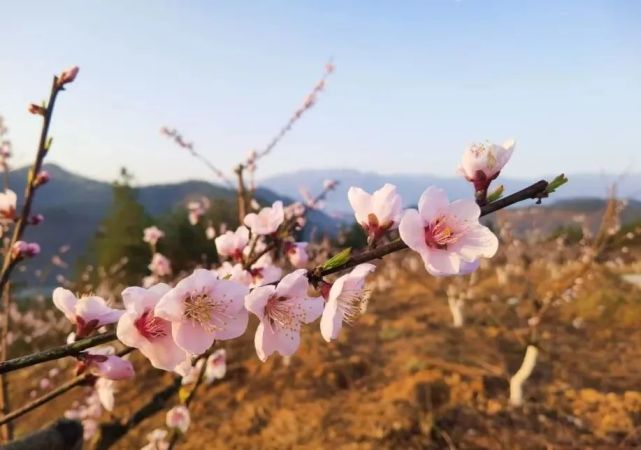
{"x": 101, "y": 362}
{"x": 232, "y": 244}
{"x": 178, "y": 418}
{"x": 105, "y": 389}
{"x": 22, "y": 249}
{"x": 281, "y": 310}
{"x": 329, "y": 184}
{"x": 45, "y": 383}
{"x": 8, "y": 200}
{"x": 482, "y": 162}
{"x": 68, "y": 75}
{"x": 216, "y": 366}
{"x": 203, "y": 308}
{"x": 160, "y": 265}
{"x": 234, "y": 272}
{"x": 210, "y": 232}
{"x": 138, "y": 327}
{"x": 346, "y": 298}
{"x": 267, "y": 220}
{"x": 297, "y": 254}
{"x": 378, "y": 212}
{"x": 87, "y": 313}
{"x": 447, "y": 235}
{"x": 264, "y": 272}
{"x": 157, "y": 440}
{"x": 152, "y": 235}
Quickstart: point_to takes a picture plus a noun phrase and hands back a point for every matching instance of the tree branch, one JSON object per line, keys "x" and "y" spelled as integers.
{"x": 72, "y": 349}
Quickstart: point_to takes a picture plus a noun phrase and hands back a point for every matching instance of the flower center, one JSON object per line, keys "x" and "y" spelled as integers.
{"x": 439, "y": 234}
{"x": 210, "y": 314}
{"x": 281, "y": 313}
{"x": 151, "y": 326}
{"x": 352, "y": 302}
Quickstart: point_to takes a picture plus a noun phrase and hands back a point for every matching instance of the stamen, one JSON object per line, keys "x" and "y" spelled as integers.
{"x": 439, "y": 234}
{"x": 202, "y": 309}
{"x": 284, "y": 314}
{"x": 353, "y": 302}
{"x": 151, "y": 326}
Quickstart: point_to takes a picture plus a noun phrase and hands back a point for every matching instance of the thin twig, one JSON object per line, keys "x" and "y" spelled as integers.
{"x": 72, "y": 349}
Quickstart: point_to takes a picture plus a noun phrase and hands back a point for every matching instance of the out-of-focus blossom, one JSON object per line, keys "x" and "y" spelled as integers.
{"x": 140, "y": 328}
{"x": 216, "y": 366}
{"x": 87, "y": 313}
{"x": 346, "y": 299}
{"x": 22, "y": 249}
{"x": 329, "y": 184}
{"x": 234, "y": 272}
{"x": 160, "y": 265}
{"x": 281, "y": 310}
{"x": 232, "y": 244}
{"x": 42, "y": 178}
{"x": 267, "y": 220}
{"x": 378, "y": 212}
{"x": 8, "y": 200}
{"x": 152, "y": 235}
{"x": 105, "y": 389}
{"x": 482, "y": 162}
{"x": 101, "y": 362}
{"x": 157, "y": 440}
{"x": 203, "y": 308}
{"x": 44, "y": 384}
{"x": 178, "y": 418}
{"x": 197, "y": 209}
{"x": 447, "y": 235}
{"x": 210, "y": 232}
{"x": 36, "y": 219}
{"x": 264, "y": 272}
{"x": 297, "y": 254}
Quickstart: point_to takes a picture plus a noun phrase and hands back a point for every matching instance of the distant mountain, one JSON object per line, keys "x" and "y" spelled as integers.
{"x": 74, "y": 206}
{"x": 411, "y": 186}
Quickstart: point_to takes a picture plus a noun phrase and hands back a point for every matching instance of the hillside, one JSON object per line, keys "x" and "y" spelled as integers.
{"x": 411, "y": 185}
{"x": 74, "y": 206}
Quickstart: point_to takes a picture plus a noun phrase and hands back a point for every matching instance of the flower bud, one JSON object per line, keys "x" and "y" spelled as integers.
{"x": 22, "y": 249}
{"x": 68, "y": 75}
{"x": 36, "y": 219}
{"x": 37, "y": 109}
{"x": 42, "y": 178}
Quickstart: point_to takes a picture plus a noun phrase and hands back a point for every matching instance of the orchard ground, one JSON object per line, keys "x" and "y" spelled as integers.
{"x": 403, "y": 377}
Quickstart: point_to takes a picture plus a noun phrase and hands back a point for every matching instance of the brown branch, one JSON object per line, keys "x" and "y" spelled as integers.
{"x": 46, "y": 398}
{"x": 72, "y": 349}
{"x": 534, "y": 191}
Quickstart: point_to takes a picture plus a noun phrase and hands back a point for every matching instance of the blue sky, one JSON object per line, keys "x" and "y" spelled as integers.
{"x": 416, "y": 81}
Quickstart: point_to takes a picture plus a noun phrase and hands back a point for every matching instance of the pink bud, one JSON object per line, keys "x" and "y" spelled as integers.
{"x": 68, "y": 75}
{"x": 36, "y": 109}
{"x": 42, "y": 178}
{"x": 36, "y": 219}
{"x": 22, "y": 249}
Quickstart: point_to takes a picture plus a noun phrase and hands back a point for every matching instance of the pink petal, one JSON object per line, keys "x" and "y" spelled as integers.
{"x": 65, "y": 301}
{"x": 360, "y": 202}
{"x": 432, "y": 203}
{"x": 268, "y": 341}
{"x": 171, "y": 306}
{"x": 477, "y": 242}
{"x": 256, "y": 300}
{"x": 441, "y": 262}
{"x": 293, "y": 285}
{"x": 163, "y": 353}
{"x": 412, "y": 231}
{"x": 465, "y": 211}
{"x": 127, "y": 332}
{"x": 191, "y": 337}
{"x": 234, "y": 326}
{"x": 331, "y": 321}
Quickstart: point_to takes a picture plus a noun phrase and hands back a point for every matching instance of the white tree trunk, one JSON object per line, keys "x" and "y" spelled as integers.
{"x": 456, "y": 308}
{"x": 521, "y": 375}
